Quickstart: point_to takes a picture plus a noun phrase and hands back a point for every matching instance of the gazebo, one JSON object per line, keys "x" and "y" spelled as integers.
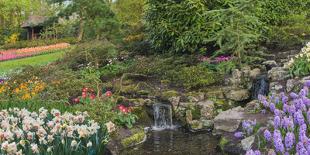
{"x": 34, "y": 26}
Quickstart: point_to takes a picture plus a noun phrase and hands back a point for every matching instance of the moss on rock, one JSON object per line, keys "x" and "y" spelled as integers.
{"x": 134, "y": 139}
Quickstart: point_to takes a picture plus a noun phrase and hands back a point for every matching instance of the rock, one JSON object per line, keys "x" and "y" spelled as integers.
{"x": 196, "y": 125}
{"x": 253, "y": 106}
{"x": 192, "y": 99}
{"x": 238, "y": 95}
{"x": 175, "y": 101}
{"x": 247, "y": 143}
{"x": 207, "y": 123}
{"x": 207, "y": 109}
{"x": 236, "y": 77}
{"x": 270, "y": 64}
{"x": 189, "y": 116}
{"x": 229, "y": 120}
{"x": 293, "y": 84}
{"x": 215, "y": 92}
{"x": 275, "y": 87}
{"x": 278, "y": 74}
{"x": 246, "y": 71}
{"x": 254, "y": 73}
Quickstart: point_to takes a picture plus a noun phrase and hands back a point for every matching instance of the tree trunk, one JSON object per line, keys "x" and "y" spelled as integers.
{"x": 81, "y": 30}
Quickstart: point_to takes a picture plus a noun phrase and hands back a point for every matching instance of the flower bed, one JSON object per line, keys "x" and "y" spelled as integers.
{"x": 25, "y": 132}
{"x": 289, "y": 133}
{"x": 27, "y": 52}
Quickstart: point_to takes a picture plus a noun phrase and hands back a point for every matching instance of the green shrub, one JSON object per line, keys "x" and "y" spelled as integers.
{"x": 194, "y": 77}
{"x": 300, "y": 67}
{"x": 93, "y": 54}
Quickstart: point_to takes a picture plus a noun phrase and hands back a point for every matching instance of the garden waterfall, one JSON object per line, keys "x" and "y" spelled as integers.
{"x": 162, "y": 116}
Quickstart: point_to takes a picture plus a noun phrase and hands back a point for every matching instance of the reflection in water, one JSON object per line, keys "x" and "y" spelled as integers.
{"x": 169, "y": 142}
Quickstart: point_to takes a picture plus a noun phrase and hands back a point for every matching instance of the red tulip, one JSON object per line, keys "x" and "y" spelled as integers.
{"x": 76, "y": 100}
{"x": 108, "y": 94}
{"x": 85, "y": 89}
{"x": 121, "y": 107}
{"x": 84, "y": 94}
{"x": 92, "y": 96}
{"x": 124, "y": 110}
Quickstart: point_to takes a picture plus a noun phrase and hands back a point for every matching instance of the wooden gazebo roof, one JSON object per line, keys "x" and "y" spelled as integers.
{"x": 33, "y": 21}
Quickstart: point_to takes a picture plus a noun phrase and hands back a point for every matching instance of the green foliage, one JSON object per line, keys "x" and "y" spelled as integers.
{"x": 194, "y": 77}
{"x": 93, "y": 54}
{"x": 225, "y": 67}
{"x": 96, "y": 19}
{"x": 129, "y": 12}
{"x": 125, "y": 119}
{"x": 300, "y": 67}
{"x": 177, "y": 26}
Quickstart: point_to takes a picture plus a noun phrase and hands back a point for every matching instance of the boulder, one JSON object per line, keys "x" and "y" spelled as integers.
{"x": 238, "y": 95}
{"x": 254, "y": 73}
{"x": 278, "y": 74}
{"x": 175, "y": 101}
{"x": 275, "y": 87}
{"x": 247, "y": 143}
{"x": 270, "y": 64}
{"x": 229, "y": 120}
{"x": 207, "y": 109}
{"x": 253, "y": 106}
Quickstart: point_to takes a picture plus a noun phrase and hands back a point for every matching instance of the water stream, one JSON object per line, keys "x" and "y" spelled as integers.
{"x": 260, "y": 86}
{"x": 162, "y": 117}
{"x": 166, "y": 139}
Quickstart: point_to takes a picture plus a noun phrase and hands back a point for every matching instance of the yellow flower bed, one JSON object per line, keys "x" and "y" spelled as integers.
{"x": 23, "y": 90}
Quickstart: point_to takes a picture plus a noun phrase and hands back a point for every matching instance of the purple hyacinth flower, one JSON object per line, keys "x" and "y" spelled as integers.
{"x": 308, "y": 116}
{"x": 285, "y": 107}
{"x": 307, "y": 83}
{"x": 267, "y": 135}
{"x": 251, "y": 152}
{"x": 277, "y": 122}
{"x": 306, "y": 101}
{"x": 272, "y": 107}
{"x": 277, "y": 112}
{"x": 284, "y": 99}
{"x": 277, "y": 140}
{"x": 276, "y": 100}
{"x": 292, "y": 110}
{"x": 293, "y": 95}
{"x": 299, "y": 118}
{"x": 303, "y": 92}
{"x": 299, "y": 147}
{"x": 238, "y": 134}
{"x": 289, "y": 140}
{"x": 288, "y": 123}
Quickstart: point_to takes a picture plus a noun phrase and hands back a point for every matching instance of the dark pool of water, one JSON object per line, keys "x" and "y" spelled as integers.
{"x": 176, "y": 142}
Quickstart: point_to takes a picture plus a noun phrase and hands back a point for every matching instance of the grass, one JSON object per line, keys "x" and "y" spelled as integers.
{"x": 7, "y": 66}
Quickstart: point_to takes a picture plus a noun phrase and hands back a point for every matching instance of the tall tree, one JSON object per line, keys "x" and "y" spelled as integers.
{"x": 94, "y": 15}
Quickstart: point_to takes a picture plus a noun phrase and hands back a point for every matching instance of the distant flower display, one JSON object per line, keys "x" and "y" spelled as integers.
{"x": 27, "y": 52}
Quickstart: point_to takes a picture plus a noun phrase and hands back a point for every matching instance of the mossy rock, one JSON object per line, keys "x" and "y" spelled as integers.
{"x": 223, "y": 142}
{"x": 169, "y": 94}
{"x": 134, "y": 139}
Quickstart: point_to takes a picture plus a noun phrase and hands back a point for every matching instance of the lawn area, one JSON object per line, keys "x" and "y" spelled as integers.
{"x": 7, "y": 66}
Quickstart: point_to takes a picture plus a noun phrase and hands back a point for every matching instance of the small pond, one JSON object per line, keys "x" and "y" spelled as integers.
{"x": 176, "y": 142}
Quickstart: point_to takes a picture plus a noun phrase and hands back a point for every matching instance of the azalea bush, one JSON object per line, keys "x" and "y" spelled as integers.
{"x": 50, "y": 132}
{"x": 289, "y": 133}
{"x": 300, "y": 64}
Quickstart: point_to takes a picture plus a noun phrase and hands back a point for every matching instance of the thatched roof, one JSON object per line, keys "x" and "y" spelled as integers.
{"x": 33, "y": 21}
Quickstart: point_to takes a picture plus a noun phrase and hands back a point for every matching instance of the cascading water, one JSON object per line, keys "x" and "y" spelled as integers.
{"x": 162, "y": 116}
{"x": 260, "y": 86}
